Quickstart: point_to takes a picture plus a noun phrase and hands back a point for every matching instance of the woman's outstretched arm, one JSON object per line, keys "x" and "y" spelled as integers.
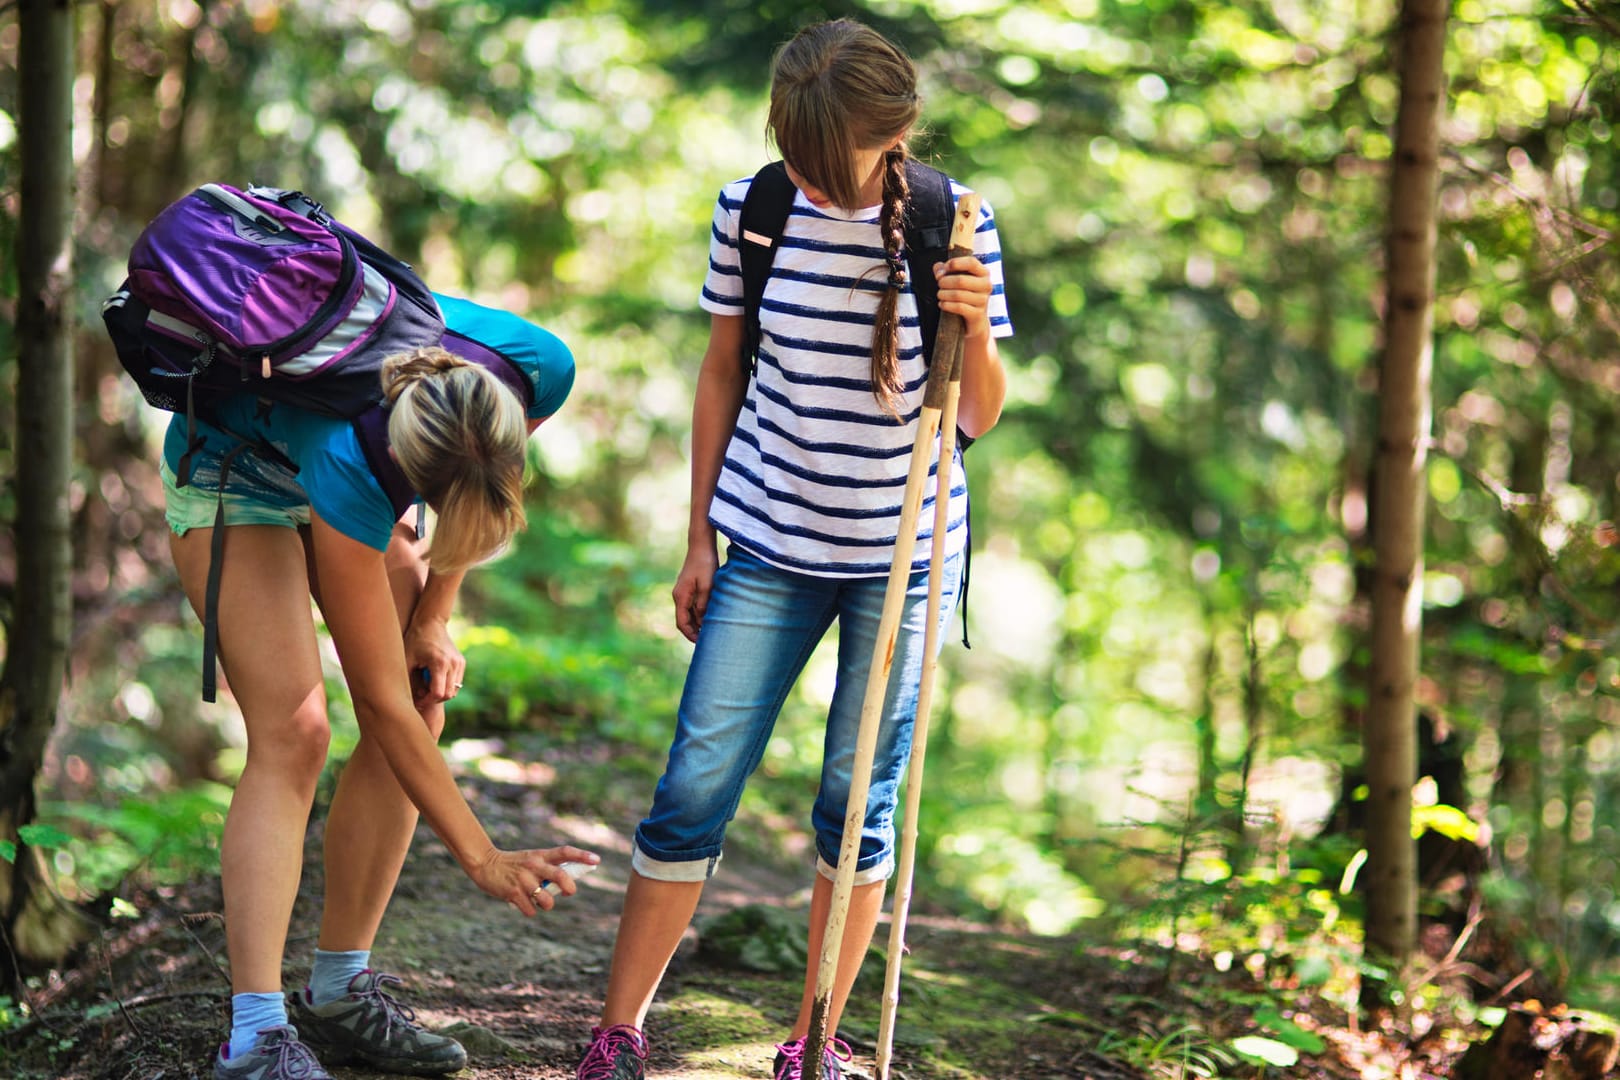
{"x": 360, "y": 614}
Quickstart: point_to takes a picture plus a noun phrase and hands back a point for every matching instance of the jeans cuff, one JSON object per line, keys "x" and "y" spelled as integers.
{"x": 660, "y": 870}
{"x": 880, "y": 871}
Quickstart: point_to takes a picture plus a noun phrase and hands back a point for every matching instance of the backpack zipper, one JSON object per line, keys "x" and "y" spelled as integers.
{"x": 329, "y": 306}
{"x": 232, "y": 203}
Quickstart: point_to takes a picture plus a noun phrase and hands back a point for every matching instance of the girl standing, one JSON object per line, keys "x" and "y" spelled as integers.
{"x": 803, "y": 469}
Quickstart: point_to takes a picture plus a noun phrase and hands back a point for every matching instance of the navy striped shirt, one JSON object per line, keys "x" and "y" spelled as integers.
{"x": 815, "y": 473}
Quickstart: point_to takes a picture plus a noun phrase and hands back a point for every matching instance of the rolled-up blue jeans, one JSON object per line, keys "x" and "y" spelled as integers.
{"x": 759, "y": 630}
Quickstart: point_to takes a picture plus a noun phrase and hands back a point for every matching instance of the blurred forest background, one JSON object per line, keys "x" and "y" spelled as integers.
{"x": 1156, "y": 729}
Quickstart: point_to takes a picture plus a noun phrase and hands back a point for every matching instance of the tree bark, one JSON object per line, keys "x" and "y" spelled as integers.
{"x": 37, "y": 928}
{"x": 1398, "y": 519}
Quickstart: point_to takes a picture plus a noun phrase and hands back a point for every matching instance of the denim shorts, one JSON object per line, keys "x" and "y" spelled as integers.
{"x": 759, "y": 630}
{"x": 252, "y": 497}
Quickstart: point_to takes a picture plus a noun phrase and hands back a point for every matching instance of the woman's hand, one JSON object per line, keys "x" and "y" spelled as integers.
{"x": 436, "y": 665}
{"x": 518, "y": 876}
{"x": 964, "y": 289}
{"x": 692, "y": 587}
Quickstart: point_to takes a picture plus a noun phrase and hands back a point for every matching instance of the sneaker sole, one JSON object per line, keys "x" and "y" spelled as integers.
{"x": 332, "y": 1055}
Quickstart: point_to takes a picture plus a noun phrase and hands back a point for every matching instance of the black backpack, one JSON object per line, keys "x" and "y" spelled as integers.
{"x": 765, "y": 212}
{"x": 930, "y": 208}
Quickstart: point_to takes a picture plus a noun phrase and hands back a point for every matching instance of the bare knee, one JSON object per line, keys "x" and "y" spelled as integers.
{"x": 434, "y": 719}
{"x": 295, "y": 745}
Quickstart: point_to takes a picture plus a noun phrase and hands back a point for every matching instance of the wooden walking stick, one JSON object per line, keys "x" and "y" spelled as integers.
{"x": 919, "y": 731}
{"x": 944, "y": 381}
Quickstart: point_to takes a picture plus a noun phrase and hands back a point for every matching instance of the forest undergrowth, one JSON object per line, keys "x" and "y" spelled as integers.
{"x": 148, "y": 999}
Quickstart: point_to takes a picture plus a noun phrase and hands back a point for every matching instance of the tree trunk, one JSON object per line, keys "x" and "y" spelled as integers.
{"x": 174, "y": 174}
{"x": 38, "y": 929}
{"x": 1242, "y": 851}
{"x": 1398, "y": 519}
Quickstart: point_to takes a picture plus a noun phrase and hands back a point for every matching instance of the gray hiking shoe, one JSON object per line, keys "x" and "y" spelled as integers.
{"x": 278, "y": 1056}
{"x": 369, "y": 1025}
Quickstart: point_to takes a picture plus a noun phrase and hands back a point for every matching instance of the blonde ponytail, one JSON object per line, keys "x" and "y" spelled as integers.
{"x": 458, "y": 434}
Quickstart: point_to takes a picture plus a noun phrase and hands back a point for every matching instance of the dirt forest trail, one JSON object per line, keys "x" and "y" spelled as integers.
{"x": 524, "y": 992}
{"x": 150, "y": 999}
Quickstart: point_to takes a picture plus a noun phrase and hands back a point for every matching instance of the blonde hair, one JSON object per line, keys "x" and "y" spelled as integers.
{"x": 458, "y": 434}
{"x": 838, "y": 87}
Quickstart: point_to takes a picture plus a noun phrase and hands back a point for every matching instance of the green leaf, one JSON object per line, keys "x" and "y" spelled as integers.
{"x": 1289, "y": 1032}
{"x": 1313, "y": 970}
{"x": 1266, "y": 1051}
{"x": 8, "y": 851}
{"x": 1063, "y": 1019}
{"x": 1448, "y": 821}
{"x": 43, "y": 836}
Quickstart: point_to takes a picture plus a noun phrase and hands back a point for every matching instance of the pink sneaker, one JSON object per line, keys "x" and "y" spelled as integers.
{"x": 617, "y": 1053}
{"x": 790, "y": 1060}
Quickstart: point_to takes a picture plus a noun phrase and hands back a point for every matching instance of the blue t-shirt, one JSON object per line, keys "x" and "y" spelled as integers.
{"x": 332, "y": 476}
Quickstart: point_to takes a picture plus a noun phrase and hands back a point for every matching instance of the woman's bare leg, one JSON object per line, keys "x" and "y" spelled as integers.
{"x": 371, "y": 820}
{"x": 865, "y": 903}
{"x": 268, "y": 648}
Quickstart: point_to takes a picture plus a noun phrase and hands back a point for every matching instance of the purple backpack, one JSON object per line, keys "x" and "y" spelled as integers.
{"x": 261, "y": 291}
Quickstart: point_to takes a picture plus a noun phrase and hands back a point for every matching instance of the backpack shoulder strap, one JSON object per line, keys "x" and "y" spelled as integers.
{"x": 929, "y": 210}
{"x": 764, "y": 215}
{"x": 371, "y": 429}
{"x": 493, "y": 360}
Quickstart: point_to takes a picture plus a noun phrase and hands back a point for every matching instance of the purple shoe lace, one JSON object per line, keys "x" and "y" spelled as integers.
{"x": 606, "y": 1046}
{"x": 294, "y": 1060}
{"x": 376, "y": 992}
{"x": 790, "y": 1059}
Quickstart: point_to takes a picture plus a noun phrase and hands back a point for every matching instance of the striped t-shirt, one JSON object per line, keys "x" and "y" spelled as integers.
{"x": 815, "y": 473}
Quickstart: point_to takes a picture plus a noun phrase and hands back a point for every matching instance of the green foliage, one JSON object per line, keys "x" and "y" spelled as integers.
{"x": 1286, "y": 921}
{"x": 539, "y": 679}
{"x": 587, "y": 665}
{"x": 42, "y": 837}
{"x": 1179, "y": 1053}
{"x": 1287, "y": 1032}
{"x": 174, "y": 837}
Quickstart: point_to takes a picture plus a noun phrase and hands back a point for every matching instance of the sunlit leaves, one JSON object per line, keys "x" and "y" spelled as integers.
{"x": 1266, "y": 1051}
{"x": 1448, "y": 821}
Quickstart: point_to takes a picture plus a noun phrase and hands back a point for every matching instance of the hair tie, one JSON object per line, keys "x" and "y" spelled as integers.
{"x": 897, "y": 274}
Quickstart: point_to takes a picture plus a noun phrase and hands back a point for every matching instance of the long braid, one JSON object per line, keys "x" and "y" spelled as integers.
{"x": 886, "y": 381}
